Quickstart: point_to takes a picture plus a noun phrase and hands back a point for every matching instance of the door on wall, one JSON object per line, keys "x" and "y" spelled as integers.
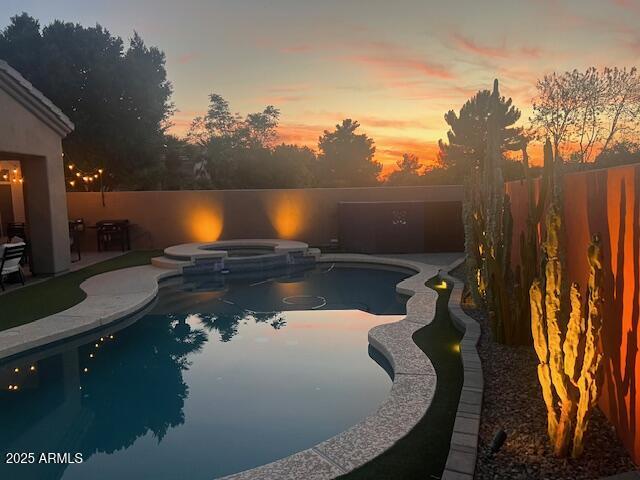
{"x": 6, "y": 207}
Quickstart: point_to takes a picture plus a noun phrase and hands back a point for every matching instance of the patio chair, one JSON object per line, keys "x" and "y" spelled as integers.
{"x": 10, "y": 256}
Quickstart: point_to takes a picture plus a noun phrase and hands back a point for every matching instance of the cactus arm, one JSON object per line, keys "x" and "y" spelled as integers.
{"x": 575, "y": 332}
{"x": 590, "y": 382}
{"x": 540, "y": 343}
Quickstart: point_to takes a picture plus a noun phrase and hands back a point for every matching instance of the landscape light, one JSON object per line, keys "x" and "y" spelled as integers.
{"x": 441, "y": 286}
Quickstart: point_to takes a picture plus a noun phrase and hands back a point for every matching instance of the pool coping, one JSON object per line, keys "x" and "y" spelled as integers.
{"x": 463, "y": 449}
{"x": 112, "y": 296}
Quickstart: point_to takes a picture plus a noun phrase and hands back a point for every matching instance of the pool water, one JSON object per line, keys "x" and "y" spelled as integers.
{"x": 222, "y": 374}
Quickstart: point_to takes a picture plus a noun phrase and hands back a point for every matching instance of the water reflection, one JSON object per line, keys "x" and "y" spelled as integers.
{"x": 172, "y": 396}
{"x": 67, "y": 402}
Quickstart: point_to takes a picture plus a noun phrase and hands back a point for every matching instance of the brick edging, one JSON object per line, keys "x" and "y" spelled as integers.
{"x": 463, "y": 451}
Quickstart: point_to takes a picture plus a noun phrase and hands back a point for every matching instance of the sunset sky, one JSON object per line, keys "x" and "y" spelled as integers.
{"x": 396, "y": 67}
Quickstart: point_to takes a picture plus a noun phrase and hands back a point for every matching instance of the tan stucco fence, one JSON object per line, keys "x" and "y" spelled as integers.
{"x": 606, "y": 202}
{"x": 165, "y": 218}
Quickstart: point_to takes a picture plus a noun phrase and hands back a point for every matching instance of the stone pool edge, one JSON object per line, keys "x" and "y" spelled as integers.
{"x": 411, "y": 394}
{"x": 111, "y": 296}
{"x": 463, "y": 449}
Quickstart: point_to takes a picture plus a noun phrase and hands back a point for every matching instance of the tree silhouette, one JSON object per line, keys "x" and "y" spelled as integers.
{"x": 117, "y": 98}
{"x": 346, "y": 158}
{"x": 467, "y": 135}
{"x": 409, "y": 171}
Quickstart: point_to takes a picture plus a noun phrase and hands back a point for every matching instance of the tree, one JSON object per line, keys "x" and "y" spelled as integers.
{"x": 346, "y": 158}
{"x": 586, "y": 113}
{"x": 236, "y": 150}
{"x": 293, "y": 166}
{"x": 468, "y": 130}
{"x": 621, "y": 153}
{"x": 117, "y": 98}
{"x": 409, "y": 171}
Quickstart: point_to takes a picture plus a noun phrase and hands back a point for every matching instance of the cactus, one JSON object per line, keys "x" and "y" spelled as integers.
{"x": 570, "y": 366}
{"x": 488, "y": 239}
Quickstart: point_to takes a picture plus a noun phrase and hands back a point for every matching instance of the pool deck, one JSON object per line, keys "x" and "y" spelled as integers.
{"x": 114, "y": 295}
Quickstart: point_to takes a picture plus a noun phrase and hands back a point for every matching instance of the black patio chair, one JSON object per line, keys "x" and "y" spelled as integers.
{"x": 10, "y": 261}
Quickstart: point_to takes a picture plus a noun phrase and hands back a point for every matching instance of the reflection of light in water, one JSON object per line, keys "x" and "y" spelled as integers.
{"x": 313, "y": 301}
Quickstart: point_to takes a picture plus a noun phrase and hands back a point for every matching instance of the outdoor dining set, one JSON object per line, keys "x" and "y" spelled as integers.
{"x": 15, "y": 251}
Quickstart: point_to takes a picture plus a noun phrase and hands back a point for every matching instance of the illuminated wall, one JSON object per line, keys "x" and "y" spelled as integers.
{"x": 162, "y": 219}
{"x": 606, "y": 202}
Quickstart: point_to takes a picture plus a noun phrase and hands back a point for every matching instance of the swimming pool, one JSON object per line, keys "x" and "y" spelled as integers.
{"x": 224, "y": 373}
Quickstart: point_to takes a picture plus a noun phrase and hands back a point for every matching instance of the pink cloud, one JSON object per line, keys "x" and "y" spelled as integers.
{"x": 470, "y": 45}
{"x": 399, "y": 65}
{"x": 186, "y": 58}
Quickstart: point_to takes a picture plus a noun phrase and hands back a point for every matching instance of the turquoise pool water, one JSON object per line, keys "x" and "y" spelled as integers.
{"x": 222, "y": 374}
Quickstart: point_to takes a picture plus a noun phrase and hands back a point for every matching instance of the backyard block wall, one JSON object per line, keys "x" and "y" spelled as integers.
{"x": 164, "y": 218}
{"x": 606, "y": 202}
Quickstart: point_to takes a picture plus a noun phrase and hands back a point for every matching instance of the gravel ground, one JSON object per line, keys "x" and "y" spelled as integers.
{"x": 513, "y": 402}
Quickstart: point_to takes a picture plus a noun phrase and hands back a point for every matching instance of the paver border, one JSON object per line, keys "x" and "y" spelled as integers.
{"x": 116, "y": 294}
{"x": 463, "y": 450}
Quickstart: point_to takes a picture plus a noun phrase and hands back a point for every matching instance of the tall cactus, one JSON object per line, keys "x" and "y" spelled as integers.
{"x": 488, "y": 239}
{"x": 569, "y": 367}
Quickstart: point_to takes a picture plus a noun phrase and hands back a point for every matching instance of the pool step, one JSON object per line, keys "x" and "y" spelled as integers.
{"x": 169, "y": 263}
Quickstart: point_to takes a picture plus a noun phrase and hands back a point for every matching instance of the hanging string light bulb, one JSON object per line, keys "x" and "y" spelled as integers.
{"x": 82, "y": 180}
{"x": 12, "y": 175}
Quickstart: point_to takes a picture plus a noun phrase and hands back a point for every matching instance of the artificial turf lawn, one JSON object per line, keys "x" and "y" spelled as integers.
{"x": 59, "y": 293}
{"x": 422, "y": 453}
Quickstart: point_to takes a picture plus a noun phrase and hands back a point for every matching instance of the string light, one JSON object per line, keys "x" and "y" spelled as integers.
{"x": 17, "y": 370}
{"x": 85, "y": 178}
{"x": 13, "y": 176}
{"x": 32, "y": 368}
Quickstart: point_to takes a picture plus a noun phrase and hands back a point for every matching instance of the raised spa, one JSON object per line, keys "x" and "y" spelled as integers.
{"x": 222, "y": 374}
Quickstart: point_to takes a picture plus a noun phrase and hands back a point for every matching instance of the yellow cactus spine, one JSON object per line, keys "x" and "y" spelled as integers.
{"x": 569, "y": 360}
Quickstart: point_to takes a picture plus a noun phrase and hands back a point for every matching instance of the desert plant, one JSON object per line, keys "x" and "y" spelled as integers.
{"x": 570, "y": 365}
{"x": 488, "y": 238}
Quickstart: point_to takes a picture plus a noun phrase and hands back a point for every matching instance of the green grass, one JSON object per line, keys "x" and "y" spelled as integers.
{"x": 59, "y": 293}
{"x": 422, "y": 453}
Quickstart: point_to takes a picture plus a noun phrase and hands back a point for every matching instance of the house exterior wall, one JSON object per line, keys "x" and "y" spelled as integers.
{"x": 26, "y": 138}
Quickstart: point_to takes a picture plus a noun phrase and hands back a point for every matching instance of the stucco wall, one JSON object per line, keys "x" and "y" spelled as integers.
{"x": 26, "y": 138}
{"x": 606, "y": 202}
{"x": 166, "y": 218}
